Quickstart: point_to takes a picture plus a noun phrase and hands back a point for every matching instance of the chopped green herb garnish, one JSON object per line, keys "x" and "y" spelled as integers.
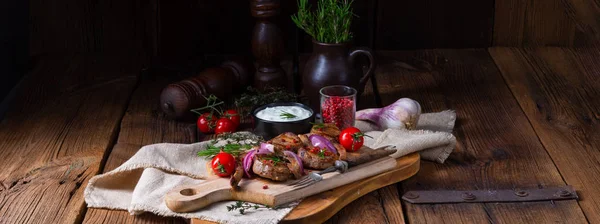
{"x": 274, "y": 159}
{"x": 322, "y": 153}
{"x": 318, "y": 125}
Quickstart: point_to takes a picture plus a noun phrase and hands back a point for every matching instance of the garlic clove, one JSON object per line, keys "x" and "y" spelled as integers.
{"x": 404, "y": 113}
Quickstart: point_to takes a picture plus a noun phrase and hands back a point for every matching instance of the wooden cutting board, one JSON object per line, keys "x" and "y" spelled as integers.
{"x": 194, "y": 197}
{"x": 320, "y": 207}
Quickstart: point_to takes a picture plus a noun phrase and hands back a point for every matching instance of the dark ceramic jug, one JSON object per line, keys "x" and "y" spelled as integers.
{"x": 334, "y": 64}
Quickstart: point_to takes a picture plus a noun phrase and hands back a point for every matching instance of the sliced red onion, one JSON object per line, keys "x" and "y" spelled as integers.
{"x": 266, "y": 148}
{"x": 321, "y": 142}
{"x": 247, "y": 162}
{"x": 293, "y": 155}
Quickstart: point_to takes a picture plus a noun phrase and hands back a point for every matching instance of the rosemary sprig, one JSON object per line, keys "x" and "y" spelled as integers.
{"x": 233, "y": 149}
{"x": 287, "y": 115}
{"x": 330, "y": 23}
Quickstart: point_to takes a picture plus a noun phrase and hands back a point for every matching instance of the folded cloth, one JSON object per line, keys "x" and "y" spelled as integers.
{"x": 432, "y": 138}
{"x": 140, "y": 184}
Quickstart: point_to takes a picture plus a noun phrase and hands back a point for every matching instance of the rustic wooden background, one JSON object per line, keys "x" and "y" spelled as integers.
{"x": 196, "y": 29}
{"x": 186, "y": 28}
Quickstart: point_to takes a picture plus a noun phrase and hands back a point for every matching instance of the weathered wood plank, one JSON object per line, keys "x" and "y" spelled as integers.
{"x": 366, "y": 209}
{"x": 558, "y": 90}
{"x": 392, "y": 205}
{"x": 498, "y": 148}
{"x": 55, "y": 135}
{"x": 143, "y": 124}
{"x": 546, "y": 23}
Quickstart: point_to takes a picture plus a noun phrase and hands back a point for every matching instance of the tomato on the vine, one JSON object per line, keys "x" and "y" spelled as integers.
{"x": 352, "y": 139}
{"x": 223, "y": 164}
{"x": 206, "y": 123}
{"x": 224, "y": 125}
{"x": 232, "y": 115}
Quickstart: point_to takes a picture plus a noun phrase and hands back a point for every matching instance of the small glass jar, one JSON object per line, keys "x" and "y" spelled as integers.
{"x": 338, "y": 105}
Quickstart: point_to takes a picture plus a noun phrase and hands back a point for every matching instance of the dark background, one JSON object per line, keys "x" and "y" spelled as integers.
{"x": 180, "y": 30}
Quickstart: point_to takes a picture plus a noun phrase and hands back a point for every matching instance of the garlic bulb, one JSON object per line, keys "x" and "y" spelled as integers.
{"x": 404, "y": 113}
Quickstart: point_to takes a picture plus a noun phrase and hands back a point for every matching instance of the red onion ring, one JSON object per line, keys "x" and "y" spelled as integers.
{"x": 291, "y": 154}
{"x": 247, "y": 162}
{"x": 265, "y": 148}
{"x": 322, "y": 142}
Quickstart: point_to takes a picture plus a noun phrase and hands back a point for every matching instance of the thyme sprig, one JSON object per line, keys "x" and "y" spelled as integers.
{"x": 213, "y": 103}
{"x": 243, "y": 206}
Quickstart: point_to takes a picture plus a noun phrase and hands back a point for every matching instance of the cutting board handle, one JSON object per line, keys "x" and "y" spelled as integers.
{"x": 194, "y": 197}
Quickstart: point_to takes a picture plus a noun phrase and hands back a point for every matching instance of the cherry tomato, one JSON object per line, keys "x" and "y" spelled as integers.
{"x": 352, "y": 139}
{"x": 206, "y": 123}
{"x": 224, "y": 125}
{"x": 233, "y": 116}
{"x": 223, "y": 164}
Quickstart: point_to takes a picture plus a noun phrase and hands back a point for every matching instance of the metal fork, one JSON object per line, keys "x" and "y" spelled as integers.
{"x": 314, "y": 177}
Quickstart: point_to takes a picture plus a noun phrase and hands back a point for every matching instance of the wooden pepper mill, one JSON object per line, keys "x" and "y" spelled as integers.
{"x": 267, "y": 44}
{"x": 177, "y": 99}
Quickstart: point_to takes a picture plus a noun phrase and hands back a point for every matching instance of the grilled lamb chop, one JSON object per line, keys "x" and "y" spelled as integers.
{"x": 237, "y": 176}
{"x": 327, "y": 130}
{"x": 314, "y": 160}
{"x": 340, "y": 149}
{"x": 294, "y": 167}
{"x": 286, "y": 141}
{"x": 265, "y": 167}
{"x": 304, "y": 139}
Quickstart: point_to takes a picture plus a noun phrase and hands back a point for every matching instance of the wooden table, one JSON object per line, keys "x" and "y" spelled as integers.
{"x": 526, "y": 118}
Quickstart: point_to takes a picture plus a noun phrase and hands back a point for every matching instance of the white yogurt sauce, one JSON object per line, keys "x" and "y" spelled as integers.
{"x": 274, "y": 113}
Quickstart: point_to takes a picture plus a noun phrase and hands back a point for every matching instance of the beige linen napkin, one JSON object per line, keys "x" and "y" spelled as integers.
{"x": 432, "y": 137}
{"x": 140, "y": 184}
